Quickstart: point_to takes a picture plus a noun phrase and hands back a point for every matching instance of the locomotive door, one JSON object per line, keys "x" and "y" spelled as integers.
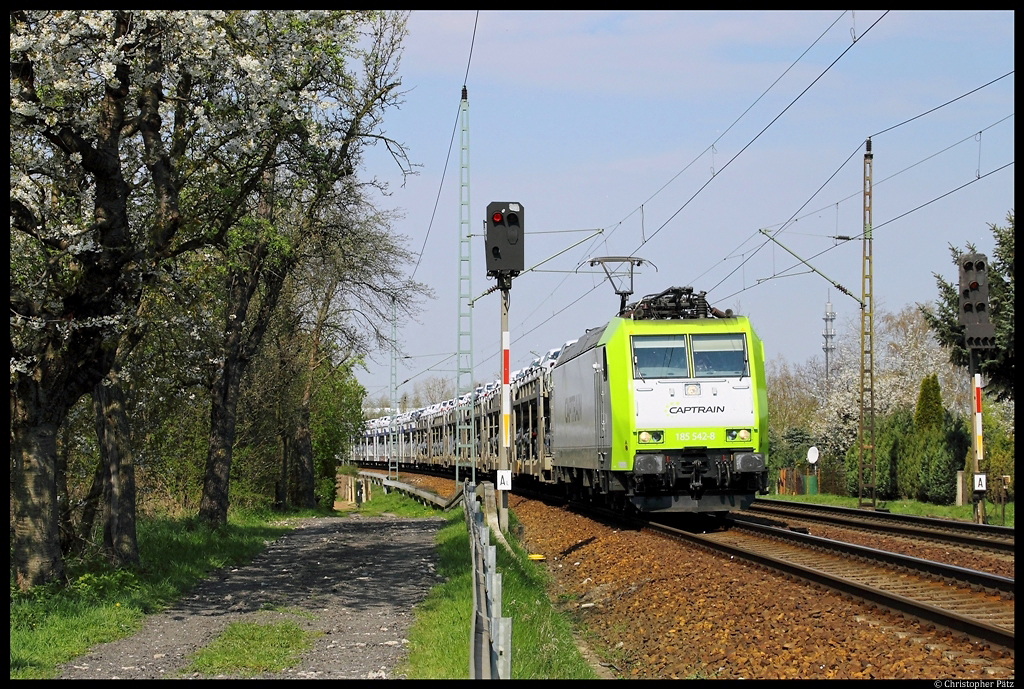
{"x": 601, "y": 411}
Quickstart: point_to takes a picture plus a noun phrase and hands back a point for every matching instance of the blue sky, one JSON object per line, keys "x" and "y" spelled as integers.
{"x": 585, "y": 117}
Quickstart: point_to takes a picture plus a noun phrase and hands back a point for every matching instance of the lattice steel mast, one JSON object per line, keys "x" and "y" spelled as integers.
{"x": 465, "y": 432}
{"x": 393, "y": 426}
{"x": 866, "y": 429}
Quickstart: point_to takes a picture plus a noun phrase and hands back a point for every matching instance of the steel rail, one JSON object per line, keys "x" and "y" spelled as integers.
{"x": 999, "y": 538}
{"x": 870, "y": 593}
{"x": 937, "y": 570}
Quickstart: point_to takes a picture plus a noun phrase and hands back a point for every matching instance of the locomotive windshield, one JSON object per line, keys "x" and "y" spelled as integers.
{"x": 715, "y": 356}
{"x": 660, "y": 356}
{"x": 664, "y": 356}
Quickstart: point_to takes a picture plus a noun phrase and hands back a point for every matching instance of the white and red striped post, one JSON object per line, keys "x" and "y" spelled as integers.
{"x": 506, "y": 392}
{"x": 979, "y": 512}
{"x": 978, "y": 454}
{"x": 506, "y": 403}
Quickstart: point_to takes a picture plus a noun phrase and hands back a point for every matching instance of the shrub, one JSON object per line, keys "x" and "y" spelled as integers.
{"x": 939, "y": 465}
{"x": 325, "y": 490}
{"x": 891, "y": 437}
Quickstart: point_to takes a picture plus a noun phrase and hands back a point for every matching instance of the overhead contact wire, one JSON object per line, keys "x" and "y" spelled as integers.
{"x": 938, "y": 107}
{"x": 774, "y": 120}
{"x": 451, "y": 143}
{"x": 890, "y": 220}
{"x": 615, "y": 226}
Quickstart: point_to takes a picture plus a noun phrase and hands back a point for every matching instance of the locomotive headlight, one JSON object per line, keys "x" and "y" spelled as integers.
{"x": 692, "y": 389}
{"x": 738, "y": 434}
{"x": 646, "y": 437}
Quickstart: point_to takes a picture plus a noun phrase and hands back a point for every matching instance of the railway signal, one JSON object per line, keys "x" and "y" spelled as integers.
{"x": 504, "y": 238}
{"x": 503, "y": 244}
{"x": 979, "y": 332}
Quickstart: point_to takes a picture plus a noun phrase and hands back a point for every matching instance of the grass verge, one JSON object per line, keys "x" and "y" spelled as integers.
{"x": 392, "y": 503}
{"x": 542, "y": 643}
{"x": 993, "y": 512}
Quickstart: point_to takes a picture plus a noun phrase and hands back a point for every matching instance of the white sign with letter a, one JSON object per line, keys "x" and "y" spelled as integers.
{"x": 504, "y": 480}
{"x": 979, "y": 483}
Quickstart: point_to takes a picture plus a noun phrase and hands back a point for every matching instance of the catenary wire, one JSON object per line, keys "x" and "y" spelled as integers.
{"x": 615, "y": 226}
{"x": 448, "y": 157}
{"x": 792, "y": 218}
{"x": 756, "y": 137}
{"x": 937, "y": 107}
{"x": 734, "y": 123}
{"x": 900, "y": 172}
{"x": 881, "y": 225}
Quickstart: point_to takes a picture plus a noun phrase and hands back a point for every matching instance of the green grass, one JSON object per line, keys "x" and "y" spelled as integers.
{"x": 393, "y": 503}
{"x": 349, "y": 470}
{"x": 52, "y": 624}
{"x": 993, "y": 512}
{"x": 439, "y": 636}
{"x": 542, "y": 637}
{"x": 542, "y": 643}
{"x": 248, "y": 649}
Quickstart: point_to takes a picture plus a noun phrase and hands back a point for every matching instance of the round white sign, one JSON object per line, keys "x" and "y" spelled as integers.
{"x": 812, "y": 454}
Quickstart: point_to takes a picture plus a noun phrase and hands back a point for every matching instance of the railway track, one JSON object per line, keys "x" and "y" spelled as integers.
{"x": 999, "y": 539}
{"x": 976, "y": 604}
{"x": 982, "y": 644}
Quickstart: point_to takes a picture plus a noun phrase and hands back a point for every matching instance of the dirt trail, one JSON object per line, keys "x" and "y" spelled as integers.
{"x": 354, "y": 580}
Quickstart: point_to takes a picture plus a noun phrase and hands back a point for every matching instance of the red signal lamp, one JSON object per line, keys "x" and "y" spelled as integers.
{"x": 497, "y": 217}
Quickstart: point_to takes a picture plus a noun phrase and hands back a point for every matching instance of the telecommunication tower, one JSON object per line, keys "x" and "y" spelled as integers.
{"x": 828, "y": 346}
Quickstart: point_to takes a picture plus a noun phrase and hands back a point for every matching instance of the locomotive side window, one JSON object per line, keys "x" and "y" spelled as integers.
{"x": 715, "y": 356}
{"x": 659, "y": 356}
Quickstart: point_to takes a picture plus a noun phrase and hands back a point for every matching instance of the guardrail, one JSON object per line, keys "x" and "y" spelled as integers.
{"x": 490, "y": 634}
{"x": 490, "y": 638}
{"x": 421, "y": 496}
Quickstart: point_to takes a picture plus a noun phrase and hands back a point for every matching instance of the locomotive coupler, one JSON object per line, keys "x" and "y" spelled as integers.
{"x": 724, "y": 474}
{"x": 696, "y": 485}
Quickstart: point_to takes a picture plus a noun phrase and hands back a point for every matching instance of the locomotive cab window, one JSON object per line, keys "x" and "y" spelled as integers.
{"x": 660, "y": 356}
{"x": 717, "y": 356}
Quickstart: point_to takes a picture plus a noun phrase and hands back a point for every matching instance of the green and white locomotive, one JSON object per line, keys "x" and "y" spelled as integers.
{"x": 663, "y": 409}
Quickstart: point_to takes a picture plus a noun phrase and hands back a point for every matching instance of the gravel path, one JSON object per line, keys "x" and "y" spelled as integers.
{"x": 354, "y": 580}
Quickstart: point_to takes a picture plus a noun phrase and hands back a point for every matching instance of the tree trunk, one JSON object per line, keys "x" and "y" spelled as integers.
{"x": 68, "y": 540}
{"x": 90, "y": 506}
{"x": 303, "y": 437}
{"x": 304, "y": 454}
{"x": 39, "y": 404}
{"x": 281, "y": 495}
{"x": 120, "y": 545}
{"x": 213, "y": 508}
{"x": 35, "y": 552}
{"x": 282, "y": 492}
{"x": 239, "y": 348}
